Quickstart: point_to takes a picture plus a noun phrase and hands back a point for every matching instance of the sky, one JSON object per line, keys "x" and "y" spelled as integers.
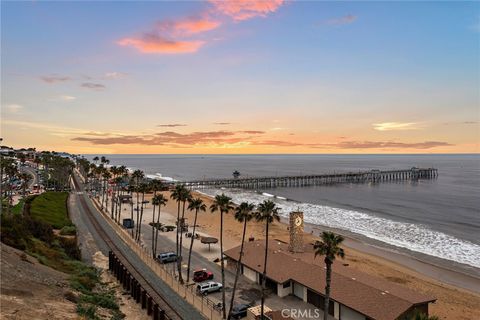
{"x": 239, "y": 77}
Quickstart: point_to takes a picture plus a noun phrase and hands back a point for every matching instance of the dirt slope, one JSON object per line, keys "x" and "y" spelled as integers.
{"x": 30, "y": 290}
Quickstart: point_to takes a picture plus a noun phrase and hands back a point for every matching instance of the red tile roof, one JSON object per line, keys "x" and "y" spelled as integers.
{"x": 369, "y": 295}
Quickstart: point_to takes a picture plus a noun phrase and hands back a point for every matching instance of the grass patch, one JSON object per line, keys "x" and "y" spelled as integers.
{"x": 31, "y": 230}
{"x": 18, "y": 208}
{"x": 51, "y": 208}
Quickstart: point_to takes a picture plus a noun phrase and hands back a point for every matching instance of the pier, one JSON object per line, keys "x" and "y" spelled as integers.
{"x": 371, "y": 176}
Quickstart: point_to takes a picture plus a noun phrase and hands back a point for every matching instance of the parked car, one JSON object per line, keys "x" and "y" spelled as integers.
{"x": 167, "y": 257}
{"x": 240, "y": 311}
{"x": 202, "y": 275}
{"x": 208, "y": 287}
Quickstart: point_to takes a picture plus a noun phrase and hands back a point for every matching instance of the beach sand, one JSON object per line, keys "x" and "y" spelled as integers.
{"x": 453, "y": 302}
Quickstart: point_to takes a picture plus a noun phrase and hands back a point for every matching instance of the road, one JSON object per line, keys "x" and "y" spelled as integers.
{"x": 184, "y": 309}
{"x": 247, "y": 291}
{"x": 31, "y": 171}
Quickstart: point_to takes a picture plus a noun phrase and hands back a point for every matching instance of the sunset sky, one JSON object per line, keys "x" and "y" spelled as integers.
{"x": 241, "y": 77}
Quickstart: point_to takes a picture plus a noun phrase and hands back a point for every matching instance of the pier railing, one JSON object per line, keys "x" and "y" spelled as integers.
{"x": 371, "y": 176}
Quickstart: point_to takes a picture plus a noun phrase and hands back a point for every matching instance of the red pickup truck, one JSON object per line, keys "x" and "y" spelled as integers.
{"x": 202, "y": 275}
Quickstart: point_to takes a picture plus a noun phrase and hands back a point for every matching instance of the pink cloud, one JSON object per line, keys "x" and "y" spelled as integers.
{"x": 245, "y": 9}
{"x": 157, "y": 44}
{"x": 175, "y": 36}
{"x": 188, "y": 26}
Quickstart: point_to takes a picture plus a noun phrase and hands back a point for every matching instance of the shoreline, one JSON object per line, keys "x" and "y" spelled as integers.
{"x": 399, "y": 257}
{"x": 453, "y": 301}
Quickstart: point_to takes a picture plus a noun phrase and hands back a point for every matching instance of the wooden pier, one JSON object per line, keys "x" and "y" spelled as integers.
{"x": 372, "y": 176}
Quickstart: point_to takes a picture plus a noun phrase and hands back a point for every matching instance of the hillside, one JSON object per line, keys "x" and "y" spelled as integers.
{"x": 30, "y": 290}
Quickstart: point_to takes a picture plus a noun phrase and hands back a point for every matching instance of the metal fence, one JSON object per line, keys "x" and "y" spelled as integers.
{"x": 188, "y": 292}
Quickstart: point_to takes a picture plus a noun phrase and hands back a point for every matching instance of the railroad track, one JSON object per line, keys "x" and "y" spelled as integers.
{"x": 170, "y": 311}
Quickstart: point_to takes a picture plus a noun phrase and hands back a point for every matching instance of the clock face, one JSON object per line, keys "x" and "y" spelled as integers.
{"x": 298, "y": 221}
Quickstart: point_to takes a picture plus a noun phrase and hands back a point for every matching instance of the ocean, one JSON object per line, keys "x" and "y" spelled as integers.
{"x": 434, "y": 220}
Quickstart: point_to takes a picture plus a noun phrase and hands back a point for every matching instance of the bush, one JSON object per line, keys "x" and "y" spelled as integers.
{"x": 39, "y": 229}
{"x": 69, "y": 246}
{"x": 68, "y": 231}
{"x": 14, "y": 232}
{"x": 87, "y": 311}
{"x": 106, "y": 300}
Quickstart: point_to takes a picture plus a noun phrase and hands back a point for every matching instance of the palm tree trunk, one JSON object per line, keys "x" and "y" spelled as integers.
{"x": 138, "y": 214}
{"x": 153, "y": 222}
{"x": 113, "y": 203}
{"x": 239, "y": 266}
{"x": 264, "y": 276}
{"x": 191, "y": 245}
{"x": 141, "y": 217}
{"x": 222, "y": 266}
{"x": 327, "y": 289}
{"x": 106, "y": 199}
{"x": 156, "y": 230}
{"x": 178, "y": 225}
{"x": 131, "y": 211}
{"x": 180, "y": 247}
{"x": 103, "y": 193}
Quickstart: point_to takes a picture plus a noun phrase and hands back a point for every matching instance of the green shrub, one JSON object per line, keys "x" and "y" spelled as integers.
{"x": 106, "y": 300}
{"x": 68, "y": 231}
{"x": 87, "y": 311}
{"x": 70, "y": 247}
{"x": 14, "y": 232}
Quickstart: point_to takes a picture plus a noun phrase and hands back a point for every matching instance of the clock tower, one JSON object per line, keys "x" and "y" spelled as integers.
{"x": 296, "y": 232}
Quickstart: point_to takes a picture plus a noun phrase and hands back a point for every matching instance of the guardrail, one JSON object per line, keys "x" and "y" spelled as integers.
{"x": 202, "y": 303}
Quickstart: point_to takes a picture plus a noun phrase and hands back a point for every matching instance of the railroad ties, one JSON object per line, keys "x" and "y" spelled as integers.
{"x": 138, "y": 288}
{"x": 372, "y": 176}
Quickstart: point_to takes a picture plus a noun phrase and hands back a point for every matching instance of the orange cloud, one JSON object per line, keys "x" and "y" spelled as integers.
{"x": 188, "y": 26}
{"x": 245, "y": 9}
{"x": 157, "y": 44}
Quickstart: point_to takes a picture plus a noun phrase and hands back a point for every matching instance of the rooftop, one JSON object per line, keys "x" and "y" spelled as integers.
{"x": 371, "y": 296}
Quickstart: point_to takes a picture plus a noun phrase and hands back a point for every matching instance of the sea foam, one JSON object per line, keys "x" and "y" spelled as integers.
{"x": 414, "y": 237}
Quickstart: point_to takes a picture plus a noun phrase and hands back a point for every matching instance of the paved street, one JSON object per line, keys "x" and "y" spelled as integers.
{"x": 247, "y": 291}
{"x": 183, "y": 308}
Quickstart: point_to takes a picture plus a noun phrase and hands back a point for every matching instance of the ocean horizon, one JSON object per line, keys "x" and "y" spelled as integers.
{"x": 413, "y": 217}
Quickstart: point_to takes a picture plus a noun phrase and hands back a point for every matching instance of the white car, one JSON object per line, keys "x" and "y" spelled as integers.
{"x": 208, "y": 287}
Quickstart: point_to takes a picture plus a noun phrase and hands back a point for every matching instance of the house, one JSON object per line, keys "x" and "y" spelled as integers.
{"x": 354, "y": 294}
{"x": 292, "y": 269}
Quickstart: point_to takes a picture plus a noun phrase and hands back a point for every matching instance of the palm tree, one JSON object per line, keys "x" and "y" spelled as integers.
{"x": 95, "y": 159}
{"x": 123, "y": 176}
{"x": 186, "y": 195}
{"x": 157, "y": 200}
{"x": 143, "y": 188}
{"x": 114, "y": 172}
{"x": 25, "y": 177}
{"x": 137, "y": 176}
{"x": 268, "y": 213}
{"x": 106, "y": 176}
{"x": 10, "y": 170}
{"x": 116, "y": 198}
{"x": 131, "y": 189}
{"x": 223, "y": 204}
{"x": 243, "y": 214}
{"x": 197, "y": 205}
{"x": 329, "y": 246}
{"x": 179, "y": 194}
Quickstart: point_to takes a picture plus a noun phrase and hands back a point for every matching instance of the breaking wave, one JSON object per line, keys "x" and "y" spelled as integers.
{"x": 414, "y": 237}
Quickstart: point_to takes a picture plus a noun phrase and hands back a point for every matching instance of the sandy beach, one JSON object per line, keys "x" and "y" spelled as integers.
{"x": 454, "y": 301}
